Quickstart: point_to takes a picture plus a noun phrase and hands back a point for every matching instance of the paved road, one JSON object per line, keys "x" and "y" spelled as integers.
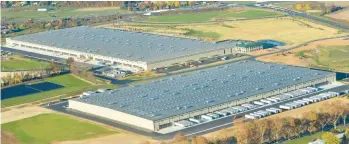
{"x": 189, "y": 132}
{"x": 305, "y": 15}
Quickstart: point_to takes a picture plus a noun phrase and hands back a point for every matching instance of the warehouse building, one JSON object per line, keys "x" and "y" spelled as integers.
{"x": 129, "y": 50}
{"x": 158, "y": 104}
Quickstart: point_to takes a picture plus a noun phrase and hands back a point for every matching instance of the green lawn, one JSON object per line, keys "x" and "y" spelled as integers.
{"x": 70, "y": 83}
{"x": 207, "y": 16}
{"x": 32, "y": 13}
{"x": 48, "y": 128}
{"x": 196, "y": 33}
{"x": 22, "y": 64}
{"x": 329, "y": 57}
{"x": 305, "y": 140}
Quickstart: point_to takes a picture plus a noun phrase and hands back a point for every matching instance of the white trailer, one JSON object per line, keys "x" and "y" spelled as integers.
{"x": 300, "y": 103}
{"x": 207, "y": 117}
{"x": 227, "y": 111}
{"x": 240, "y": 108}
{"x": 277, "y": 98}
{"x": 233, "y": 111}
{"x": 273, "y": 110}
{"x": 273, "y": 100}
{"x": 259, "y": 103}
{"x": 195, "y": 120}
{"x": 249, "y": 106}
{"x": 306, "y": 102}
{"x": 87, "y": 93}
{"x": 266, "y": 101}
{"x": 183, "y": 123}
{"x": 333, "y": 93}
{"x": 309, "y": 100}
{"x": 287, "y": 107}
{"x": 221, "y": 113}
{"x": 296, "y": 105}
{"x": 316, "y": 98}
{"x": 288, "y": 94}
{"x": 215, "y": 116}
{"x": 250, "y": 116}
{"x": 263, "y": 113}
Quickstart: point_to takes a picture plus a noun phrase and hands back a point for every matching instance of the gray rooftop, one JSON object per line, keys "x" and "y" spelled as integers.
{"x": 128, "y": 45}
{"x": 183, "y": 93}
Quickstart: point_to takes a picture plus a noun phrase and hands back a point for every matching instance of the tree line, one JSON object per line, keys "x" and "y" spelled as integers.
{"x": 21, "y": 76}
{"x": 278, "y": 129}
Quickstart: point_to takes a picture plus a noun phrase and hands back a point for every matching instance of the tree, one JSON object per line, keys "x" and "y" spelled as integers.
{"x": 191, "y": 3}
{"x": 307, "y": 7}
{"x": 199, "y": 140}
{"x": 334, "y": 110}
{"x": 54, "y": 67}
{"x": 299, "y": 6}
{"x": 346, "y": 135}
{"x": 330, "y": 138}
{"x": 240, "y": 132}
{"x": 263, "y": 127}
{"x": 277, "y": 129}
{"x": 70, "y": 61}
{"x": 179, "y": 137}
{"x": 323, "y": 119}
{"x": 177, "y": 4}
{"x": 344, "y": 111}
{"x": 312, "y": 119}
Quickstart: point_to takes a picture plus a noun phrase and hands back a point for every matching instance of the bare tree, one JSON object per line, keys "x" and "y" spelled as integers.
{"x": 323, "y": 119}
{"x": 312, "y": 121}
{"x": 262, "y": 128}
{"x": 199, "y": 140}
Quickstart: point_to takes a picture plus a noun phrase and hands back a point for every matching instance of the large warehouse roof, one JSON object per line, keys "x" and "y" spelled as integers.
{"x": 179, "y": 94}
{"x": 128, "y": 45}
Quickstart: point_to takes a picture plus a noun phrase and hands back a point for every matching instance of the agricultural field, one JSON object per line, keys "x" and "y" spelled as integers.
{"x": 342, "y": 15}
{"x": 214, "y": 15}
{"x": 26, "y": 13}
{"x": 70, "y": 83}
{"x": 21, "y": 63}
{"x": 288, "y": 30}
{"x": 328, "y": 54}
{"x": 48, "y": 128}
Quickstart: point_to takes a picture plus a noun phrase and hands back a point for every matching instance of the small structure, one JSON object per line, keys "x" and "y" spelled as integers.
{"x": 246, "y": 47}
{"x": 154, "y": 13}
{"x": 317, "y": 141}
{"x": 42, "y": 9}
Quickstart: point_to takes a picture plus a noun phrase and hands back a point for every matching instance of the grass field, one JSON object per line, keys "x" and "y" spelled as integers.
{"x": 326, "y": 54}
{"x": 32, "y": 13}
{"x": 69, "y": 82}
{"x": 17, "y": 62}
{"x": 48, "y": 128}
{"x": 208, "y": 16}
{"x": 288, "y": 30}
{"x": 328, "y": 57}
{"x": 306, "y": 139}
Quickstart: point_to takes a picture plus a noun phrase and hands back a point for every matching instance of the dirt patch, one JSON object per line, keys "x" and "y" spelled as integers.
{"x": 21, "y": 113}
{"x": 342, "y": 14}
{"x": 290, "y": 58}
{"x": 120, "y": 138}
{"x": 98, "y": 8}
{"x": 8, "y": 138}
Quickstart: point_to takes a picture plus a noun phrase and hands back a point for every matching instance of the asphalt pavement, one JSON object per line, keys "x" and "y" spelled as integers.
{"x": 190, "y": 131}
